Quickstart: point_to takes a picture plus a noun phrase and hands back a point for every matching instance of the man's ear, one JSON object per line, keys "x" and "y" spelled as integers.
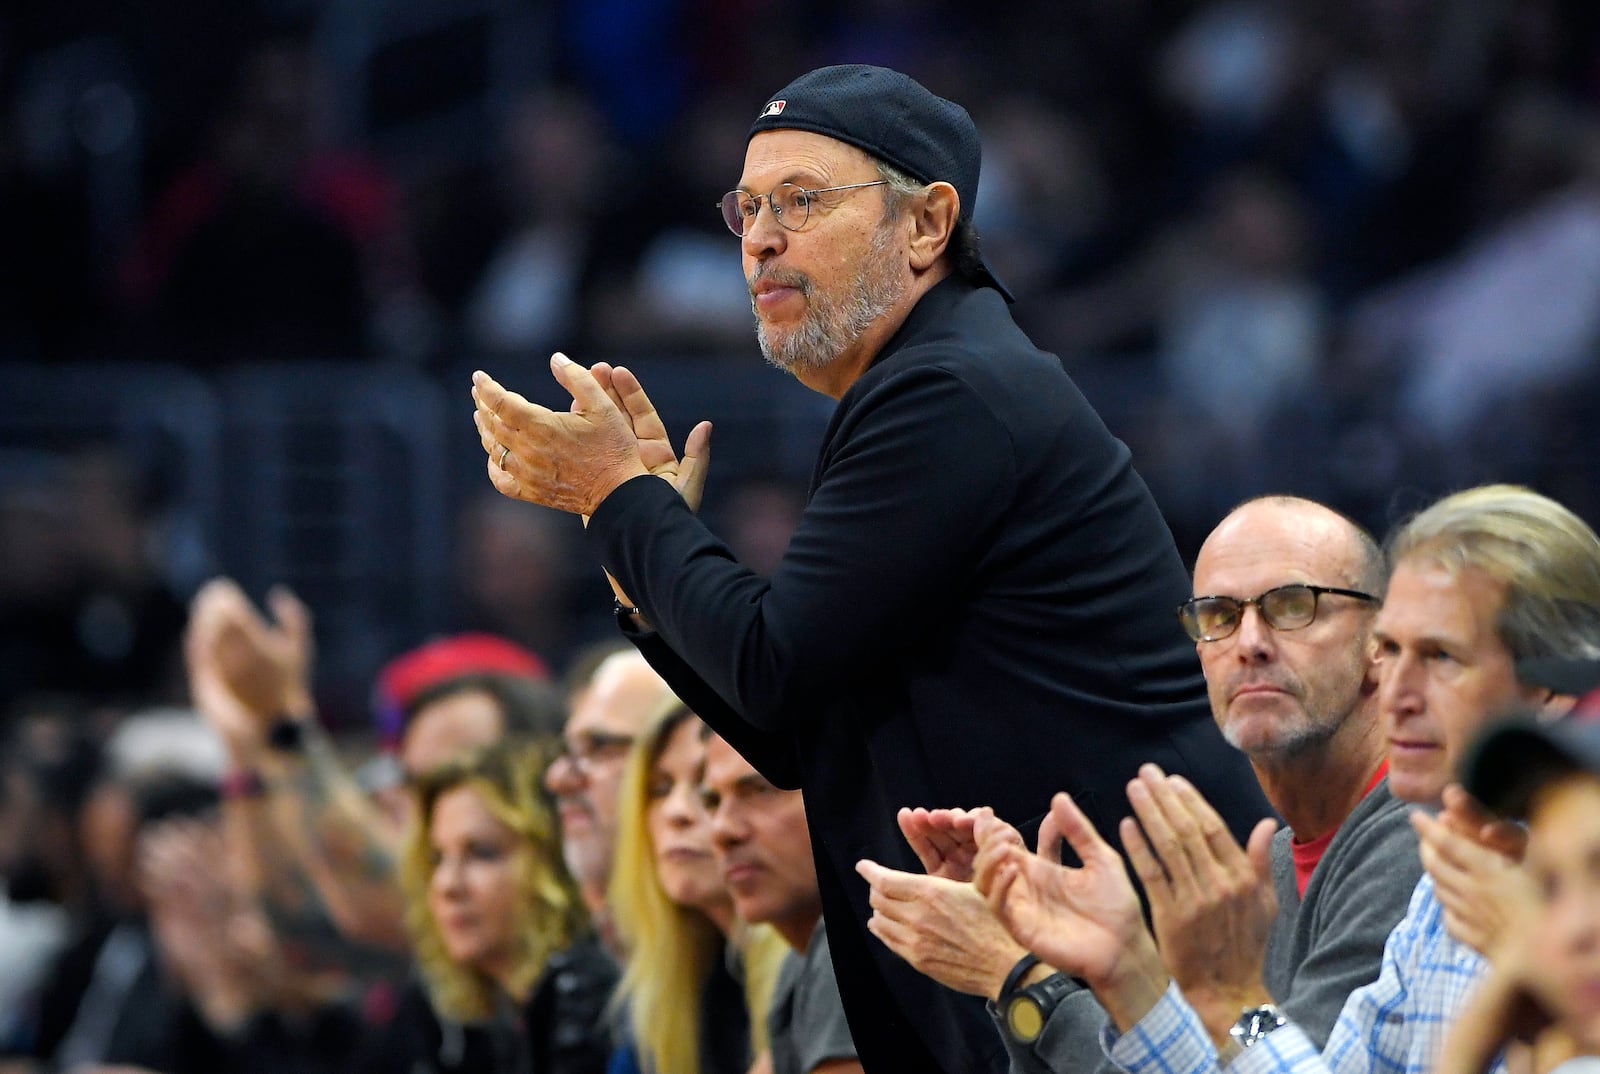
{"x": 933, "y": 223}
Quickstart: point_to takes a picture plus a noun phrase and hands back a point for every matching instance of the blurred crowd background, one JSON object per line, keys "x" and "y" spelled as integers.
{"x": 252, "y": 250}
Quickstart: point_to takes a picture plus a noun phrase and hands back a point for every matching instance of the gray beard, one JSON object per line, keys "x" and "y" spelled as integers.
{"x": 831, "y": 325}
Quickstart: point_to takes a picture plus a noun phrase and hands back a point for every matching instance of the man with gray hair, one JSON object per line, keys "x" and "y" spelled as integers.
{"x": 975, "y": 607}
{"x": 1478, "y": 581}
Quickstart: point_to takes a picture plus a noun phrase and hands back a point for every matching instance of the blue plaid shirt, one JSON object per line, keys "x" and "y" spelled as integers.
{"x": 1395, "y": 1025}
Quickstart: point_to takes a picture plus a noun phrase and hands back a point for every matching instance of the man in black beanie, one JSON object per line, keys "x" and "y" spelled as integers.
{"x": 978, "y": 605}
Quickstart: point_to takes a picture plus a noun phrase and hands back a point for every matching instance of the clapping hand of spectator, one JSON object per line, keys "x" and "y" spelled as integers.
{"x": 1084, "y": 920}
{"x": 1475, "y": 862}
{"x": 942, "y": 839}
{"x": 244, "y": 672}
{"x": 939, "y": 922}
{"x": 688, "y": 474}
{"x": 214, "y": 940}
{"x": 1211, "y": 902}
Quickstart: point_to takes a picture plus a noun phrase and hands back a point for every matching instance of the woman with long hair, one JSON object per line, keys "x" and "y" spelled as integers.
{"x": 512, "y": 981}
{"x": 687, "y": 1010}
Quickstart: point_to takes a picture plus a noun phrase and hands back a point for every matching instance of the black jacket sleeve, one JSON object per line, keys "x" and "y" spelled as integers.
{"x": 907, "y": 493}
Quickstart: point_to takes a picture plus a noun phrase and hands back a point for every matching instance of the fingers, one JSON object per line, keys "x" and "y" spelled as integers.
{"x": 1465, "y": 815}
{"x": 292, "y": 616}
{"x": 588, "y": 396}
{"x": 506, "y": 419}
{"x": 891, "y": 885}
{"x": 695, "y": 465}
{"x": 918, "y": 834}
{"x": 896, "y": 936}
{"x": 633, "y": 401}
{"x": 601, "y": 372}
{"x": 1259, "y": 849}
{"x": 1187, "y": 837}
{"x": 1447, "y": 845}
{"x": 1067, "y": 819}
{"x": 1209, "y": 822}
{"x": 1146, "y": 866}
{"x": 942, "y": 840}
{"x": 996, "y": 841}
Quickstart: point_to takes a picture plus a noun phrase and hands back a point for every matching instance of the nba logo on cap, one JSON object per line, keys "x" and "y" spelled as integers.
{"x": 772, "y": 109}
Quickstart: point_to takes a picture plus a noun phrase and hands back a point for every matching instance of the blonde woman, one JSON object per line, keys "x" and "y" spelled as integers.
{"x": 512, "y": 982}
{"x": 686, "y": 1011}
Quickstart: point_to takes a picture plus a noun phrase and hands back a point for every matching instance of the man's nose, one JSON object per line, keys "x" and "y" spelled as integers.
{"x": 726, "y": 830}
{"x": 765, "y": 236}
{"x": 564, "y": 776}
{"x": 1254, "y": 637}
{"x": 1398, "y": 690}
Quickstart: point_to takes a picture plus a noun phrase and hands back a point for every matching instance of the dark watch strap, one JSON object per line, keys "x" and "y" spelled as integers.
{"x": 1020, "y": 970}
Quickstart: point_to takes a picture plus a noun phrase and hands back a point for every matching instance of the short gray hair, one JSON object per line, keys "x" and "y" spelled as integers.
{"x": 965, "y": 251}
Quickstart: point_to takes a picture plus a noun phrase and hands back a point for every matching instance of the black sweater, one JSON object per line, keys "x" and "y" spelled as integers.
{"x": 977, "y": 608}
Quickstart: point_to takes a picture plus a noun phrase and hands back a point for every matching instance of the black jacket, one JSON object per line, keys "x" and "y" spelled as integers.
{"x": 560, "y": 1030}
{"x": 977, "y": 608}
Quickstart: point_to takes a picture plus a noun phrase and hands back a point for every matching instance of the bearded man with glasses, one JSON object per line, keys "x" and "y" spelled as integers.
{"x": 975, "y": 607}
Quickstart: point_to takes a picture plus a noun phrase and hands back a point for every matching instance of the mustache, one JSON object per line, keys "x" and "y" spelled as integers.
{"x": 780, "y": 276}
{"x": 1277, "y": 682}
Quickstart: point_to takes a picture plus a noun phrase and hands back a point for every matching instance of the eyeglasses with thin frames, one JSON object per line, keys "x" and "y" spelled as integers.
{"x": 1285, "y": 607}
{"x": 790, "y": 204}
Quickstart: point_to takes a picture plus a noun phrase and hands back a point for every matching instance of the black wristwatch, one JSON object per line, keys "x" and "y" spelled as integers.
{"x": 1024, "y": 1013}
{"x": 287, "y": 735}
{"x": 1253, "y": 1024}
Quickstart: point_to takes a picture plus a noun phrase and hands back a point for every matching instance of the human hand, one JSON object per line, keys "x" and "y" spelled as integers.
{"x": 212, "y": 937}
{"x": 1084, "y": 921}
{"x": 942, "y": 927}
{"x": 1463, "y": 814}
{"x": 244, "y": 672}
{"x": 569, "y": 461}
{"x": 688, "y": 474}
{"x": 942, "y": 840}
{"x": 1485, "y": 893}
{"x": 1212, "y": 904}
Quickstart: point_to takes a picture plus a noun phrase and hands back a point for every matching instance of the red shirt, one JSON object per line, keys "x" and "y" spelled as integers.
{"x": 1306, "y": 855}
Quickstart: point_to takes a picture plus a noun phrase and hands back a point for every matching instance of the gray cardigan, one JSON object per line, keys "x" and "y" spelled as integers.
{"x": 1320, "y": 949}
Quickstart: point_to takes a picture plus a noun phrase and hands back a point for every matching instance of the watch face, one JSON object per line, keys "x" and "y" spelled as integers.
{"x": 1024, "y": 1018}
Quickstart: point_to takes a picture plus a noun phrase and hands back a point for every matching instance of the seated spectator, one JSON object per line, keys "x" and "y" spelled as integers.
{"x": 108, "y": 997}
{"x": 292, "y": 801}
{"x": 1540, "y": 985}
{"x": 509, "y": 983}
{"x": 763, "y": 849}
{"x": 1480, "y": 580}
{"x": 608, "y": 715}
{"x": 687, "y": 1008}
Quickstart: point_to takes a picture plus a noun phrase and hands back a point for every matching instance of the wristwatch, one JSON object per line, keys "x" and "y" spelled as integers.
{"x": 1025, "y": 1012}
{"x": 1253, "y": 1024}
{"x": 287, "y": 735}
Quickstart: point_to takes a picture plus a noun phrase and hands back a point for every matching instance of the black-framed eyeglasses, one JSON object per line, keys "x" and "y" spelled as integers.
{"x": 1285, "y": 607}
{"x": 790, "y": 202}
